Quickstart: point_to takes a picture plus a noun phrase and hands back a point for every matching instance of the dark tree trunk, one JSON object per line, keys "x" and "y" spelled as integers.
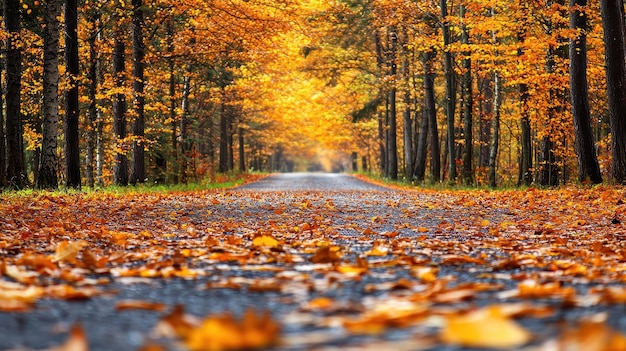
{"x": 92, "y": 77}
{"x": 467, "y": 173}
{"x": 183, "y": 141}
{"x": 120, "y": 167}
{"x": 381, "y": 121}
{"x": 224, "y": 122}
{"x": 495, "y": 135}
{"x": 172, "y": 97}
{"x": 138, "y": 167}
{"x": 72, "y": 148}
{"x": 242, "y": 150}
{"x": 16, "y": 164}
{"x": 430, "y": 110}
{"x": 450, "y": 91}
{"x": 408, "y": 122}
{"x": 485, "y": 121}
{"x": 526, "y": 161}
{"x": 47, "y": 177}
{"x": 3, "y": 144}
{"x": 392, "y": 150}
{"x": 588, "y": 168}
{"x": 613, "y": 25}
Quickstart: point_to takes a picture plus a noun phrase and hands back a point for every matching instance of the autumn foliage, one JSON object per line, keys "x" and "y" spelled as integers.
{"x": 313, "y": 85}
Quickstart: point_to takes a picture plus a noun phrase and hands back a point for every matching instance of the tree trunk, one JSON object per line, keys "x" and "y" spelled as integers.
{"x": 72, "y": 140}
{"x": 485, "y": 120}
{"x": 120, "y": 167}
{"x": 138, "y": 167}
{"x": 526, "y": 161}
{"x": 495, "y": 135}
{"x": 430, "y": 110}
{"x": 242, "y": 151}
{"x": 3, "y": 144}
{"x": 467, "y": 173}
{"x": 392, "y": 150}
{"x": 450, "y": 91}
{"x": 172, "y": 98}
{"x": 47, "y": 177}
{"x": 224, "y": 122}
{"x": 16, "y": 164}
{"x": 588, "y": 168}
{"x": 381, "y": 121}
{"x": 92, "y": 77}
{"x": 409, "y": 156}
{"x": 613, "y": 25}
{"x": 183, "y": 141}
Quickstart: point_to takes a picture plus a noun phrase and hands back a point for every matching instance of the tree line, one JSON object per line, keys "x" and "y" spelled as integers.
{"x": 475, "y": 91}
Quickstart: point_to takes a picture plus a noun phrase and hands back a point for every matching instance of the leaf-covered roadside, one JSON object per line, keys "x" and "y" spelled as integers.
{"x": 532, "y": 269}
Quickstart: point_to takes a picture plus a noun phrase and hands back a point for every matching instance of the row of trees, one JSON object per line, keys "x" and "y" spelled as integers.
{"x": 169, "y": 112}
{"x": 476, "y": 91}
{"x": 484, "y": 66}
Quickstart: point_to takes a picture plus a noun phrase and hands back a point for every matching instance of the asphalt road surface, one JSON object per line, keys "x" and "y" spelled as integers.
{"x": 253, "y": 207}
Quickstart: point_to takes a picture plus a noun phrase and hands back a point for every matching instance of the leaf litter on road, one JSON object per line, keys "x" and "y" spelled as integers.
{"x": 528, "y": 269}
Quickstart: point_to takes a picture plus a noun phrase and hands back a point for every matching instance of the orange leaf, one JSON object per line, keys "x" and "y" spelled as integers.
{"x": 67, "y": 250}
{"x": 484, "y": 328}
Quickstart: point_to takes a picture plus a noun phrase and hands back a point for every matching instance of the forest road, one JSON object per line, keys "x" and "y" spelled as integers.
{"x": 336, "y": 261}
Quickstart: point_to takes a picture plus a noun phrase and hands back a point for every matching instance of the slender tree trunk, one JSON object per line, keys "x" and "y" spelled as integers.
{"x": 393, "y": 129}
{"x": 120, "y": 168}
{"x": 242, "y": 151}
{"x": 72, "y": 140}
{"x": 172, "y": 97}
{"x": 183, "y": 141}
{"x": 16, "y": 164}
{"x": 48, "y": 164}
{"x": 381, "y": 120}
{"x": 224, "y": 122}
{"x": 450, "y": 91}
{"x": 92, "y": 77}
{"x": 409, "y": 156}
{"x": 138, "y": 166}
{"x": 495, "y": 135}
{"x": 467, "y": 173}
{"x": 3, "y": 144}
{"x": 431, "y": 114}
{"x": 526, "y": 161}
{"x": 486, "y": 120}
{"x": 613, "y": 25}
{"x": 588, "y": 168}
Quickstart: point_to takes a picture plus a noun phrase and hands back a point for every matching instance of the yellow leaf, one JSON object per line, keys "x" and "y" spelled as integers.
{"x": 265, "y": 240}
{"x": 379, "y": 250}
{"x": 67, "y": 250}
{"x": 484, "y": 328}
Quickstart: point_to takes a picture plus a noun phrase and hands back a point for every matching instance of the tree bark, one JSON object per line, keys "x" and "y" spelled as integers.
{"x": 92, "y": 111}
{"x": 16, "y": 164}
{"x": 138, "y": 166}
{"x": 242, "y": 151}
{"x": 392, "y": 150}
{"x": 408, "y": 122}
{"x": 47, "y": 177}
{"x": 588, "y": 168}
{"x": 183, "y": 141}
{"x": 72, "y": 140}
{"x": 467, "y": 174}
{"x": 495, "y": 135}
{"x": 526, "y": 159}
{"x": 224, "y": 122}
{"x": 613, "y": 25}
{"x": 3, "y": 144}
{"x": 450, "y": 91}
{"x": 120, "y": 168}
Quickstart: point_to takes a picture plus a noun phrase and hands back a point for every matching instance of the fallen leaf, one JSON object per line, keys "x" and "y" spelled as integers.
{"x": 484, "y": 328}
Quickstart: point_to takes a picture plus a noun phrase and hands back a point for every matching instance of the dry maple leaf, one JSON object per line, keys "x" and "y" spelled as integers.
{"x": 67, "y": 250}
{"x": 485, "y": 328}
{"x": 325, "y": 254}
